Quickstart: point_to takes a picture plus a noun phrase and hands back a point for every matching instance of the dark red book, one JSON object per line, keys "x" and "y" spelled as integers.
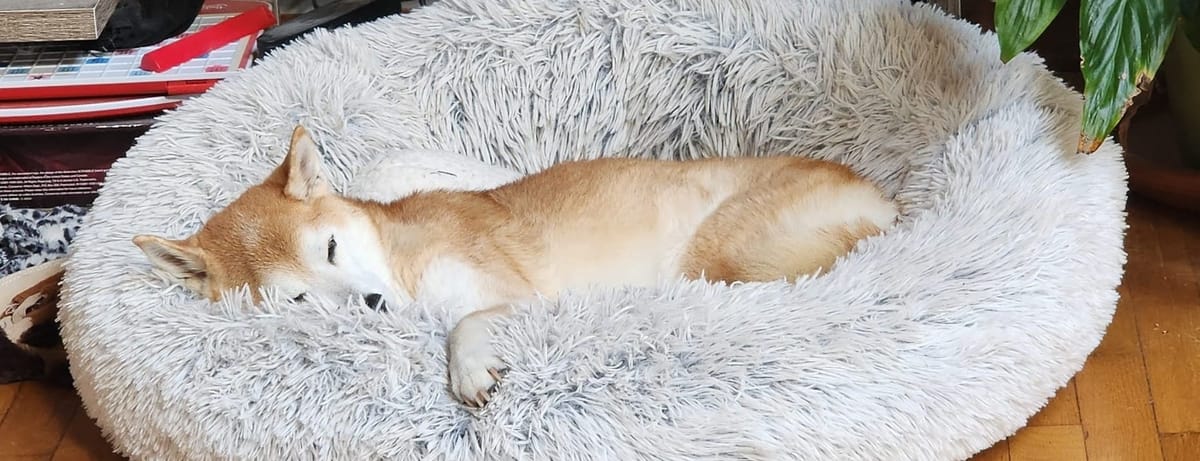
{"x": 43, "y": 166}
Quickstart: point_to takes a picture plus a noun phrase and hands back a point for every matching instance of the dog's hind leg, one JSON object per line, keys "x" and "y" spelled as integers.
{"x": 795, "y": 220}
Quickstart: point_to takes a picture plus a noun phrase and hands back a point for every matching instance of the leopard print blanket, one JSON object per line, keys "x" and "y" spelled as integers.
{"x": 29, "y": 237}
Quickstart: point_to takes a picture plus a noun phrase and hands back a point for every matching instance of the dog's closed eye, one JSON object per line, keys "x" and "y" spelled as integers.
{"x": 332, "y": 249}
{"x": 298, "y": 298}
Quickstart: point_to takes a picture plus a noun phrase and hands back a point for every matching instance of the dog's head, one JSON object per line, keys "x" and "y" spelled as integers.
{"x": 291, "y": 233}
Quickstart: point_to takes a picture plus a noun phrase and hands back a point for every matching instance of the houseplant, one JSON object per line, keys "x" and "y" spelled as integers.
{"x": 1122, "y": 44}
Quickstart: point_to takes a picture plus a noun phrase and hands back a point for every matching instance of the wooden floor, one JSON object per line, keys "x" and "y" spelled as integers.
{"x": 1138, "y": 397}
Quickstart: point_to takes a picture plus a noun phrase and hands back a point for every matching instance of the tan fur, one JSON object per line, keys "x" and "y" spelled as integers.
{"x": 606, "y": 222}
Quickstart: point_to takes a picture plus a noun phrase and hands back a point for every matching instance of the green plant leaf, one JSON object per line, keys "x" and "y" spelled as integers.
{"x": 1020, "y": 22}
{"x": 1190, "y": 9}
{"x": 1122, "y": 43}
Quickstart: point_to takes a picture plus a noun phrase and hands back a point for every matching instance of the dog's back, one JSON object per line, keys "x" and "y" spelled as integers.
{"x": 635, "y": 222}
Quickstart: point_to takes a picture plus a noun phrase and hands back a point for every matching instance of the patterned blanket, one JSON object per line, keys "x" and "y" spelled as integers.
{"x": 29, "y": 237}
{"x": 30, "y": 346}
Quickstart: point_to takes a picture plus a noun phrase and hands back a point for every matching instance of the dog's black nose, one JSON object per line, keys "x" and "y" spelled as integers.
{"x": 375, "y": 301}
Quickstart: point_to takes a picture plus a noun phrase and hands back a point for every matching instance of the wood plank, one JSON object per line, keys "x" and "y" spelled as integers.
{"x": 1163, "y": 284}
{"x": 54, "y": 20}
{"x": 8, "y": 393}
{"x": 1114, "y": 398}
{"x": 1048, "y": 443}
{"x": 1062, "y": 410}
{"x": 37, "y": 419}
{"x": 1181, "y": 447}
{"x": 1112, "y": 390}
{"x": 48, "y": 5}
{"x": 84, "y": 442}
{"x": 998, "y": 452}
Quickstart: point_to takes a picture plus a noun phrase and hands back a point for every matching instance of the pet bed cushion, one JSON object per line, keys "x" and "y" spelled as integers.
{"x": 931, "y": 341}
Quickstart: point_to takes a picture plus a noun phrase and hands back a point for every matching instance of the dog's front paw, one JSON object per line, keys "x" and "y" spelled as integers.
{"x": 474, "y": 372}
{"x": 474, "y": 367}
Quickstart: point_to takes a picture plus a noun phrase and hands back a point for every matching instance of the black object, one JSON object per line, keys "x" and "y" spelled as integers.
{"x": 137, "y": 23}
{"x": 333, "y": 15}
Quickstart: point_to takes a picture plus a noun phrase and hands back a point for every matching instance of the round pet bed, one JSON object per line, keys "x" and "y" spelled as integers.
{"x": 932, "y": 341}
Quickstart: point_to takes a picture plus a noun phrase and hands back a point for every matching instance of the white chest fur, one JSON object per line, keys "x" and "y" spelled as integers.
{"x": 450, "y": 281}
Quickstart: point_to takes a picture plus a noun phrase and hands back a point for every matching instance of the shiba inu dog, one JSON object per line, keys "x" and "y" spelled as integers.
{"x": 574, "y": 226}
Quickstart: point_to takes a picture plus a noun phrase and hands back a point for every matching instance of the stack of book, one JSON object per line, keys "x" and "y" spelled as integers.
{"x": 66, "y": 113}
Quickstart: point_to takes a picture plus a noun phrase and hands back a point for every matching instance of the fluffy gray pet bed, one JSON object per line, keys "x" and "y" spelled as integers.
{"x": 932, "y": 341}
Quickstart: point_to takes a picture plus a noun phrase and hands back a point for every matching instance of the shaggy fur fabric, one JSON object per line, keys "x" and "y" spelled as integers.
{"x": 931, "y": 341}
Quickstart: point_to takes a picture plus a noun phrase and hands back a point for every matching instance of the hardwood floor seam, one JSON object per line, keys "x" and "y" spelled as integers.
{"x": 8, "y": 408}
{"x": 67, "y": 430}
{"x": 1152, "y": 230}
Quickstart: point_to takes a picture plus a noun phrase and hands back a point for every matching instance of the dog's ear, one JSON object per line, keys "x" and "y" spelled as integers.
{"x": 179, "y": 258}
{"x": 302, "y": 172}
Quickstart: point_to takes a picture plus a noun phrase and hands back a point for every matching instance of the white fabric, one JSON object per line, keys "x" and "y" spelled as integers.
{"x": 929, "y": 342}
